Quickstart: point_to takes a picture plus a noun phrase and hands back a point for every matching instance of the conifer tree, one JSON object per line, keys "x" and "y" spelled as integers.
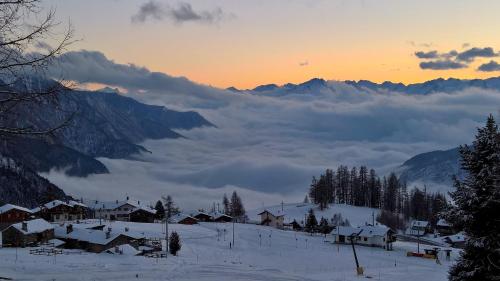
{"x": 476, "y": 207}
{"x": 174, "y": 244}
{"x": 237, "y": 209}
{"x": 160, "y": 211}
{"x": 226, "y": 204}
{"x": 311, "y": 222}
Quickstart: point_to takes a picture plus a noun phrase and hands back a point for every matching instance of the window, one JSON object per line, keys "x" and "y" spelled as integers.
{"x": 365, "y": 239}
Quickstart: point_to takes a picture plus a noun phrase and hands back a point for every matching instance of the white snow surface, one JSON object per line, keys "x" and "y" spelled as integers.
{"x": 258, "y": 253}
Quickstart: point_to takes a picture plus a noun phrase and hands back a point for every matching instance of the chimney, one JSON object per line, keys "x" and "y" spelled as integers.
{"x": 138, "y": 202}
{"x": 24, "y": 226}
{"x": 117, "y": 201}
{"x": 69, "y": 228}
{"x": 127, "y": 198}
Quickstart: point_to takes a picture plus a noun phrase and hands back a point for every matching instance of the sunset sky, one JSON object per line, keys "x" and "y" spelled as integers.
{"x": 247, "y": 43}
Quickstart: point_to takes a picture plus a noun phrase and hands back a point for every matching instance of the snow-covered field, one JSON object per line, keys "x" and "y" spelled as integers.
{"x": 260, "y": 253}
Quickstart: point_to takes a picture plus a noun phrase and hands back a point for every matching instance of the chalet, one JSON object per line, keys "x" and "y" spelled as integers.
{"x": 27, "y": 233}
{"x": 270, "y": 219}
{"x": 368, "y": 235}
{"x": 128, "y": 210}
{"x": 418, "y": 228}
{"x": 444, "y": 228}
{"x": 184, "y": 219}
{"x": 142, "y": 214}
{"x": 61, "y": 211}
{"x": 96, "y": 241}
{"x": 203, "y": 217}
{"x": 10, "y": 214}
{"x": 222, "y": 218}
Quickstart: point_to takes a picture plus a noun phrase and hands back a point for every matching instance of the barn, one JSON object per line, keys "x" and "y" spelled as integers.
{"x": 96, "y": 241}
{"x": 27, "y": 233}
{"x": 223, "y": 218}
{"x": 10, "y": 214}
{"x": 142, "y": 215}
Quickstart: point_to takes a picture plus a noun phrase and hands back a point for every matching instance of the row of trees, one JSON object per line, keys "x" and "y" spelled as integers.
{"x": 358, "y": 187}
{"x": 363, "y": 187}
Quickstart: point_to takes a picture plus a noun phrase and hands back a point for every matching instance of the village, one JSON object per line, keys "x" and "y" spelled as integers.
{"x": 131, "y": 228}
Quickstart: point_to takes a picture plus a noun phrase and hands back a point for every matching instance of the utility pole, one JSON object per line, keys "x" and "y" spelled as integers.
{"x": 233, "y": 232}
{"x": 281, "y": 205}
{"x": 418, "y": 240}
{"x": 373, "y": 218}
{"x": 166, "y": 236}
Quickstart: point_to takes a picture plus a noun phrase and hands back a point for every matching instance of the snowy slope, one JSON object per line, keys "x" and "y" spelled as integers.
{"x": 356, "y": 215}
{"x": 260, "y": 253}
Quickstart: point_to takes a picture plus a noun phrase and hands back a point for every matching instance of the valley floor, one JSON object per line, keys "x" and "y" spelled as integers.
{"x": 276, "y": 255}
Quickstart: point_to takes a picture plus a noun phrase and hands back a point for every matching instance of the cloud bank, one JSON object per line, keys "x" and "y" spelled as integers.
{"x": 268, "y": 145}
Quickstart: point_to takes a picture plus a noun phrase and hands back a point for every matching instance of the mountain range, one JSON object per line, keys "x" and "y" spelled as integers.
{"x": 431, "y": 86}
{"x": 103, "y": 124}
{"x": 434, "y": 167}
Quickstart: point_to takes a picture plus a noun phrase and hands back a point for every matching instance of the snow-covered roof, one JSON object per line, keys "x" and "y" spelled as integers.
{"x": 217, "y": 215}
{"x": 33, "y": 226}
{"x": 442, "y": 222}
{"x": 8, "y": 207}
{"x": 364, "y": 231}
{"x": 56, "y": 242}
{"x": 55, "y": 203}
{"x": 144, "y": 208}
{"x": 278, "y": 214}
{"x": 112, "y": 205}
{"x": 202, "y": 213}
{"x": 419, "y": 223}
{"x": 179, "y": 217}
{"x": 459, "y": 237}
{"x": 93, "y": 236}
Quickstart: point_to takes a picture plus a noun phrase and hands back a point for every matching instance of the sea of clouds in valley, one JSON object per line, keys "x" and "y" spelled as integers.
{"x": 267, "y": 146}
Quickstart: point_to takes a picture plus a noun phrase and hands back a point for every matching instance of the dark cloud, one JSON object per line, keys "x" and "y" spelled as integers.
{"x": 427, "y": 55}
{"x": 442, "y": 65}
{"x": 470, "y": 54}
{"x": 454, "y": 59}
{"x": 489, "y": 67}
{"x": 182, "y": 12}
{"x": 94, "y": 67}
